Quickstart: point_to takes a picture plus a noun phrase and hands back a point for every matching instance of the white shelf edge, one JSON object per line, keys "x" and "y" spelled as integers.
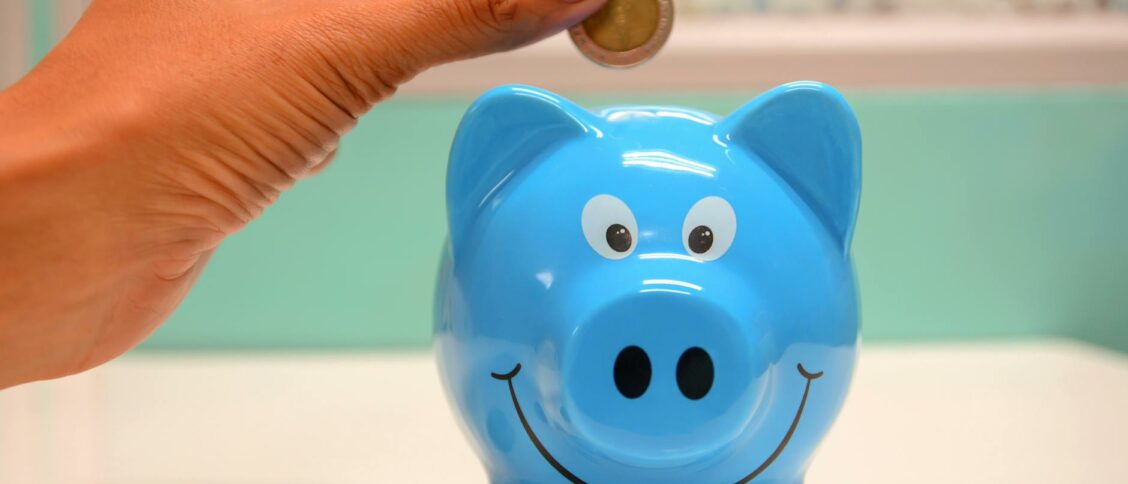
{"x": 753, "y": 53}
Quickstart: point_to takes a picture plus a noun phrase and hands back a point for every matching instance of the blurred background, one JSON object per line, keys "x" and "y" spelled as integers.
{"x": 996, "y": 154}
{"x": 994, "y": 210}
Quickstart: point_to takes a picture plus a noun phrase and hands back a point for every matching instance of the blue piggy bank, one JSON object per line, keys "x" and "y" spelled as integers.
{"x": 649, "y": 294}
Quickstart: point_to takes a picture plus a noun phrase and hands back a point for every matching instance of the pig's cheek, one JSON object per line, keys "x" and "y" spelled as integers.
{"x": 500, "y": 430}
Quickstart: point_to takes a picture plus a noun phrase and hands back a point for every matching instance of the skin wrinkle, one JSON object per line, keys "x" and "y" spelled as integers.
{"x": 287, "y": 155}
{"x": 447, "y": 26}
{"x": 184, "y": 224}
{"x": 476, "y": 13}
{"x": 316, "y": 106}
{"x": 303, "y": 105}
{"x": 300, "y": 144}
{"x": 368, "y": 76}
{"x": 259, "y": 165}
{"x": 267, "y": 194}
{"x": 277, "y": 177}
{"x": 186, "y": 205}
{"x": 179, "y": 261}
{"x": 206, "y": 184}
{"x": 355, "y": 102}
{"x": 502, "y": 13}
{"x": 339, "y": 78}
{"x": 413, "y": 51}
{"x": 179, "y": 251}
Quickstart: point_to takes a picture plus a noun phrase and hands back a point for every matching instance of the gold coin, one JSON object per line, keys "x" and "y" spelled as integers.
{"x": 625, "y": 33}
{"x": 622, "y": 25}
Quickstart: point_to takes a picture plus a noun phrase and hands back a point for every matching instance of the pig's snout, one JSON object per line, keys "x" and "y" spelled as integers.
{"x": 662, "y": 376}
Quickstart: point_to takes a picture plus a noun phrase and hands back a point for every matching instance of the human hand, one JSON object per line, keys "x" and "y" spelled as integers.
{"x": 157, "y": 129}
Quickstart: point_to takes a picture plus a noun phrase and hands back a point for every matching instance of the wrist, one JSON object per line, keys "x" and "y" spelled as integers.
{"x": 58, "y": 252}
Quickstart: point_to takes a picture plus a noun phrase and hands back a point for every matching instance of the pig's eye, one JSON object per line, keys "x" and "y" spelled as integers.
{"x": 609, "y": 226}
{"x": 709, "y": 228}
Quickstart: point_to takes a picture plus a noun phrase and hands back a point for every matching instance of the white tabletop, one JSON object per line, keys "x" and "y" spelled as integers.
{"x": 1031, "y": 412}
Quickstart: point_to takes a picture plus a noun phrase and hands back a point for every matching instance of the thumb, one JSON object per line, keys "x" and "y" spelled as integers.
{"x": 487, "y": 26}
{"x": 432, "y": 32}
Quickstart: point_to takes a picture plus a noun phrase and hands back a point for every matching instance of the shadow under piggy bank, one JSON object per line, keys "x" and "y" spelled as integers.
{"x": 649, "y": 294}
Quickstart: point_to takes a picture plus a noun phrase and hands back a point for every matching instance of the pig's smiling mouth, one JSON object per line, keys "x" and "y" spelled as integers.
{"x": 508, "y": 379}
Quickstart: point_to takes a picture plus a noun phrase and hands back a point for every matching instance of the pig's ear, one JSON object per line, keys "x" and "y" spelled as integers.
{"x": 807, "y": 134}
{"x": 505, "y": 130}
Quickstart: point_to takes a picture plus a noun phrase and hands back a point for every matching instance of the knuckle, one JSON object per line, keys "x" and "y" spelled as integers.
{"x": 495, "y": 15}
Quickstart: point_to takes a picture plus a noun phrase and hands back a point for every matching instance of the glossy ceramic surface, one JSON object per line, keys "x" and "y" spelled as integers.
{"x": 650, "y": 294}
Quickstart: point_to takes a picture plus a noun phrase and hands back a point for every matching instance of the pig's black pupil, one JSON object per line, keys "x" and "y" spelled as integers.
{"x": 618, "y": 238}
{"x": 701, "y": 239}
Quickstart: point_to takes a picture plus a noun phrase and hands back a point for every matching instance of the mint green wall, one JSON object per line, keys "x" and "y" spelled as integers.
{"x": 985, "y": 214}
{"x": 41, "y": 27}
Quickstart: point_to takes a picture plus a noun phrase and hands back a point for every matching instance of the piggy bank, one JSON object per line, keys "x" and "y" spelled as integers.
{"x": 649, "y": 294}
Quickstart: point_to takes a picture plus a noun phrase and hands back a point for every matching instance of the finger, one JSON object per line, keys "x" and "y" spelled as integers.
{"x": 563, "y": 18}
{"x": 496, "y": 25}
{"x": 430, "y": 32}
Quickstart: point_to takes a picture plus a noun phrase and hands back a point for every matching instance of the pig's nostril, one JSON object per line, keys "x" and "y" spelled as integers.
{"x": 632, "y": 372}
{"x": 695, "y": 373}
